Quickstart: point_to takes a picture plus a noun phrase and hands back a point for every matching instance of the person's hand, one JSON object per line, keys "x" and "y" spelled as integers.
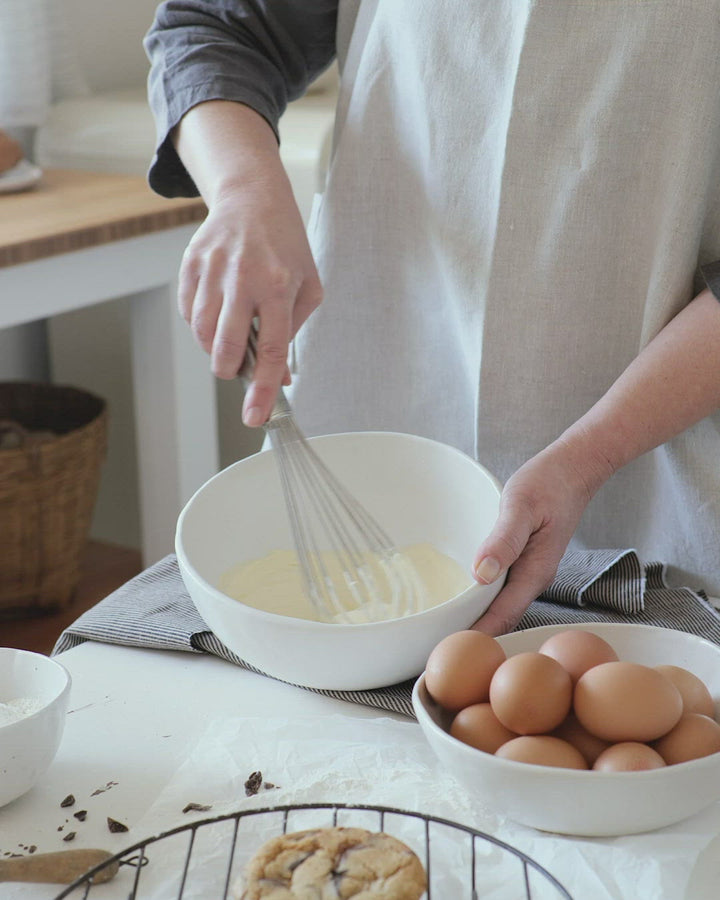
{"x": 540, "y": 508}
{"x": 250, "y": 257}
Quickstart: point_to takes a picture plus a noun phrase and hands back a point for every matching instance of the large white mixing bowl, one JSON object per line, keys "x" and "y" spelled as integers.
{"x": 420, "y": 490}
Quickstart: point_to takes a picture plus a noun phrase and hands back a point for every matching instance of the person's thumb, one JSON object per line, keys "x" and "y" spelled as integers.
{"x": 505, "y": 543}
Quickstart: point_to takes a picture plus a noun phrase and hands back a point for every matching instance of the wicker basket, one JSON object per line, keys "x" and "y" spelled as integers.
{"x": 54, "y": 443}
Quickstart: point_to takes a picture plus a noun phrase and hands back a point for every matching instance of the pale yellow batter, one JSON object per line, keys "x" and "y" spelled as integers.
{"x": 274, "y": 583}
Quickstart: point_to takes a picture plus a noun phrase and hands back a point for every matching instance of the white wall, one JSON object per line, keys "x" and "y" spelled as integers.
{"x": 109, "y": 40}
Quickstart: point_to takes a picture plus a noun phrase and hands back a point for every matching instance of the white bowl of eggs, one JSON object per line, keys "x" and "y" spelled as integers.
{"x": 233, "y": 539}
{"x": 34, "y": 696}
{"x": 589, "y": 730}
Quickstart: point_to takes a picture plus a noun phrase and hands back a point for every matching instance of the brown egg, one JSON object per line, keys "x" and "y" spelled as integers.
{"x": 696, "y": 696}
{"x": 530, "y": 693}
{"x": 478, "y": 726}
{"x": 460, "y": 667}
{"x": 542, "y": 750}
{"x": 577, "y": 651}
{"x": 628, "y": 756}
{"x": 625, "y": 701}
{"x": 693, "y": 736}
{"x": 572, "y": 731}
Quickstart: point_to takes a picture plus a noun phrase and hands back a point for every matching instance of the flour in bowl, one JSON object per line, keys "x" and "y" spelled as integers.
{"x": 14, "y": 710}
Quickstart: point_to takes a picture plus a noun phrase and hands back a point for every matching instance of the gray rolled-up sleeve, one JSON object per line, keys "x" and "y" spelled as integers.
{"x": 263, "y": 53}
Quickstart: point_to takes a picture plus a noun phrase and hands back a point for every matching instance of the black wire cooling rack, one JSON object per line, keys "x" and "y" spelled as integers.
{"x": 460, "y": 861}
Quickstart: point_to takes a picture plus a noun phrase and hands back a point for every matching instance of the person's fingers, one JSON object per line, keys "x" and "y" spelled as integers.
{"x": 230, "y": 341}
{"x": 281, "y": 316}
{"x": 250, "y": 258}
{"x": 270, "y": 363}
{"x": 309, "y": 297}
{"x": 233, "y": 325}
{"x": 207, "y": 303}
{"x": 188, "y": 278}
{"x": 526, "y": 580}
{"x": 506, "y": 541}
{"x": 527, "y": 550}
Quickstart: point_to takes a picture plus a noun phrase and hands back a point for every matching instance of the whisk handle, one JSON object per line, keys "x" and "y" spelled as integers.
{"x": 245, "y": 372}
{"x": 281, "y": 409}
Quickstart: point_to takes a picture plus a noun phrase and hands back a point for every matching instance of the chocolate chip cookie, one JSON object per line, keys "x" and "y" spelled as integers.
{"x": 334, "y": 864}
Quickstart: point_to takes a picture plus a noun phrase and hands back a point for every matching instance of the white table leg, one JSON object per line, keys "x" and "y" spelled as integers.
{"x": 176, "y": 416}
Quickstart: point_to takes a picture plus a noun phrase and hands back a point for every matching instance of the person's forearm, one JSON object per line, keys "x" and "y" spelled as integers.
{"x": 250, "y": 258}
{"x": 672, "y": 384}
{"x": 226, "y": 146}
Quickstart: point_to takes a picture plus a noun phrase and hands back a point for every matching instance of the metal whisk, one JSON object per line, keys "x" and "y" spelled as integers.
{"x": 351, "y": 569}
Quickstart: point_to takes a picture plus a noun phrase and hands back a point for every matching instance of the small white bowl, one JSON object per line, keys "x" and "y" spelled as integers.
{"x": 420, "y": 490}
{"x": 591, "y": 804}
{"x": 29, "y": 745}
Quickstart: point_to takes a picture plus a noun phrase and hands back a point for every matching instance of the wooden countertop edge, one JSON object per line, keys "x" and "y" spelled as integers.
{"x": 26, "y": 251}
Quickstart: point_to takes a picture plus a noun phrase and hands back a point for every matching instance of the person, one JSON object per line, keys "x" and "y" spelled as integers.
{"x": 516, "y": 249}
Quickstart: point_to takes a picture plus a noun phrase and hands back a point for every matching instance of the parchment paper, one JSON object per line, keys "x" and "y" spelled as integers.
{"x": 384, "y": 762}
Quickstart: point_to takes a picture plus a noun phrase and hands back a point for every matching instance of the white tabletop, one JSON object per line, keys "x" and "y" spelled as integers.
{"x": 134, "y": 717}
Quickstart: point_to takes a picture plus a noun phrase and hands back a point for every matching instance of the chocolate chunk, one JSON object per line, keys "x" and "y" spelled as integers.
{"x": 69, "y": 836}
{"x": 68, "y": 801}
{"x": 115, "y": 826}
{"x": 253, "y": 784}
{"x": 102, "y": 790}
{"x": 196, "y": 807}
{"x": 81, "y": 815}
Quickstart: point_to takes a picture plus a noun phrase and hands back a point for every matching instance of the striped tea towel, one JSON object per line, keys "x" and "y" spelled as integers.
{"x": 154, "y": 610}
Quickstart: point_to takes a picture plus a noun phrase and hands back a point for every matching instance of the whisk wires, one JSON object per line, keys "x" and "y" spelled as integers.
{"x": 350, "y": 567}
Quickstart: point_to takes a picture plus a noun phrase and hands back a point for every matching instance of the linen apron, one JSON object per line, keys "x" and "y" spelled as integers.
{"x": 519, "y": 196}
